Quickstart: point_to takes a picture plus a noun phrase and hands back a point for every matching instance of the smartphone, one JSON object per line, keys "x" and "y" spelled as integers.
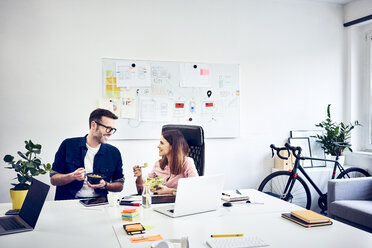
{"x": 13, "y": 212}
{"x": 94, "y": 201}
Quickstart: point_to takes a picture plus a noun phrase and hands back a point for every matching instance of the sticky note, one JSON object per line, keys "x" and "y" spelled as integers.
{"x": 134, "y": 227}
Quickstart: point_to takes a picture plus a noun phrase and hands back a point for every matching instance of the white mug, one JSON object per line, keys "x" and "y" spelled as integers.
{"x": 112, "y": 199}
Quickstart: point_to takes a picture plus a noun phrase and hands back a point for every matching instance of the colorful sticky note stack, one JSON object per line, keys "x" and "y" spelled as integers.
{"x": 130, "y": 214}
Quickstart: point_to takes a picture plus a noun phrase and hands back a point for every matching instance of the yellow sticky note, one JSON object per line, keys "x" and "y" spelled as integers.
{"x": 134, "y": 227}
{"x": 109, "y": 73}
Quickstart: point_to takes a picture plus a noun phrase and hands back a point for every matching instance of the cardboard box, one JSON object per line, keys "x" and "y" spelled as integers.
{"x": 282, "y": 164}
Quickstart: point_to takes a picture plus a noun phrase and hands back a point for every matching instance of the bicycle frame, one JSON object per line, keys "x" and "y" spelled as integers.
{"x": 288, "y": 191}
{"x": 294, "y": 176}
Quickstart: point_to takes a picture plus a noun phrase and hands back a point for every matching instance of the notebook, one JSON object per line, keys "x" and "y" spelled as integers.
{"x": 195, "y": 195}
{"x": 234, "y": 197}
{"x": 296, "y": 220}
{"x": 30, "y": 211}
{"x": 310, "y": 216}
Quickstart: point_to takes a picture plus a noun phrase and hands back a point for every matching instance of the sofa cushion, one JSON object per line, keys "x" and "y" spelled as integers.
{"x": 356, "y": 211}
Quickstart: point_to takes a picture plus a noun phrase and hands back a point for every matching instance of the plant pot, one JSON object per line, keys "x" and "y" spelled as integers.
{"x": 18, "y": 197}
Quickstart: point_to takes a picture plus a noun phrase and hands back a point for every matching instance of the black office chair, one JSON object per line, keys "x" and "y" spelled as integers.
{"x": 194, "y": 136}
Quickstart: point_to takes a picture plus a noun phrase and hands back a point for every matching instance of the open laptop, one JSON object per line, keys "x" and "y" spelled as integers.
{"x": 30, "y": 211}
{"x": 195, "y": 195}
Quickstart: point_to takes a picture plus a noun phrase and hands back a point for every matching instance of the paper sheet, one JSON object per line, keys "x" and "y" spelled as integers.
{"x": 156, "y": 109}
{"x": 128, "y": 103}
{"x": 133, "y": 74}
{"x": 195, "y": 75}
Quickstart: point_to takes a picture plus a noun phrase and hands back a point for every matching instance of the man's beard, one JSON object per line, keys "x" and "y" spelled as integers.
{"x": 100, "y": 138}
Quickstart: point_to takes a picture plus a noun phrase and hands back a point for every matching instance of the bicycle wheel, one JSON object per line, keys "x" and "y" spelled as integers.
{"x": 353, "y": 172}
{"x": 274, "y": 185}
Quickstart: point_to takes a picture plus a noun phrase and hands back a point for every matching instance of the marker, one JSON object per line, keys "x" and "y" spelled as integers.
{"x": 130, "y": 204}
{"x": 227, "y": 235}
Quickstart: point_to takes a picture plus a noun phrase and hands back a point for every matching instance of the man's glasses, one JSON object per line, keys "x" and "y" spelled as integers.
{"x": 108, "y": 129}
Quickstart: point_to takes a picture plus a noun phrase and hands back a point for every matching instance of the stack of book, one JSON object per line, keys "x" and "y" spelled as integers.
{"x": 130, "y": 214}
{"x": 307, "y": 218}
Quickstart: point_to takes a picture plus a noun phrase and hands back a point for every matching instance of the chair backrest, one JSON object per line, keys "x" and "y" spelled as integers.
{"x": 194, "y": 136}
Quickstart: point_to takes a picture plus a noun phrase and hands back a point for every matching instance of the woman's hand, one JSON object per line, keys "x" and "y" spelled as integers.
{"x": 137, "y": 171}
{"x": 162, "y": 190}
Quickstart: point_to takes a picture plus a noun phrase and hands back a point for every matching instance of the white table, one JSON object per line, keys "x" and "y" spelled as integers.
{"x": 69, "y": 224}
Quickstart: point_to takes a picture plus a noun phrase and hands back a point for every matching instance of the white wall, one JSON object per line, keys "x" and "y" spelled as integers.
{"x": 291, "y": 55}
{"x": 357, "y": 9}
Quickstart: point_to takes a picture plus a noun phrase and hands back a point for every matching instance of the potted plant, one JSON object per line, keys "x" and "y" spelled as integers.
{"x": 335, "y": 132}
{"x": 26, "y": 168}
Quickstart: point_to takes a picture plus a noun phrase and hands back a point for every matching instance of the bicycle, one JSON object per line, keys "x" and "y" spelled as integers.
{"x": 289, "y": 186}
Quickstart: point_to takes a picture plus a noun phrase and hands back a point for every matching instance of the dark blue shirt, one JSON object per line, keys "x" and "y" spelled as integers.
{"x": 70, "y": 156}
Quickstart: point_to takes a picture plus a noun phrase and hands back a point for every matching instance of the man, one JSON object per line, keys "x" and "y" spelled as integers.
{"x": 78, "y": 156}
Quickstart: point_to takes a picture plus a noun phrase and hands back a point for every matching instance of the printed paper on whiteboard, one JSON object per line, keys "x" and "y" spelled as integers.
{"x": 133, "y": 74}
{"x": 110, "y": 104}
{"x": 129, "y": 103}
{"x": 195, "y": 75}
{"x": 156, "y": 109}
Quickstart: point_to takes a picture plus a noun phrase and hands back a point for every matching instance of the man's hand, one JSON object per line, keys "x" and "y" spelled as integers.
{"x": 137, "y": 171}
{"x": 79, "y": 174}
{"x": 101, "y": 184}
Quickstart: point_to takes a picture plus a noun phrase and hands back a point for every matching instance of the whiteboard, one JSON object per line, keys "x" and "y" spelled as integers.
{"x": 149, "y": 94}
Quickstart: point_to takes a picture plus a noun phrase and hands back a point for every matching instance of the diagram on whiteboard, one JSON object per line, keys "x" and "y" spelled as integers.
{"x": 146, "y": 95}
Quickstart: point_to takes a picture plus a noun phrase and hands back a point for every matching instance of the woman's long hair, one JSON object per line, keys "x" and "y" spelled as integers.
{"x": 180, "y": 149}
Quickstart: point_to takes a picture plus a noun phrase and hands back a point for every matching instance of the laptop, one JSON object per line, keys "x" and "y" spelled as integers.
{"x": 30, "y": 211}
{"x": 195, "y": 195}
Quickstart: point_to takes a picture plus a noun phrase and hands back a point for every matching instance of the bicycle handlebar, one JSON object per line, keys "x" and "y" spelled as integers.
{"x": 296, "y": 150}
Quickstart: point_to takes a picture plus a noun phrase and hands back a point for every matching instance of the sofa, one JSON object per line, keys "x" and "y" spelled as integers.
{"x": 350, "y": 201}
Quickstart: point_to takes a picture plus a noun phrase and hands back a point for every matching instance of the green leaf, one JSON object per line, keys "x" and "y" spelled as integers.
{"x": 339, "y": 132}
{"x": 22, "y": 155}
{"x": 37, "y": 146}
{"x": 21, "y": 186}
{"x": 32, "y": 145}
{"x": 21, "y": 178}
{"x": 8, "y": 158}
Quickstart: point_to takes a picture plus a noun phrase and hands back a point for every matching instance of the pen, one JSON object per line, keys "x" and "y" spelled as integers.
{"x": 254, "y": 202}
{"x": 238, "y": 192}
{"x": 130, "y": 204}
{"x": 225, "y": 194}
{"x": 226, "y": 235}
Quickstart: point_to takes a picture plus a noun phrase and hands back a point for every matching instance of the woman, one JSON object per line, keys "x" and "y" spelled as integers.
{"x": 173, "y": 165}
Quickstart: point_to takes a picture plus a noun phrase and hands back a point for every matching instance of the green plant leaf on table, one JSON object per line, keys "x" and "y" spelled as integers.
{"x": 28, "y": 166}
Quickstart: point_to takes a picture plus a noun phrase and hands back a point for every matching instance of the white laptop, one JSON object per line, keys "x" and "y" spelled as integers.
{"x": 195, "y": 195}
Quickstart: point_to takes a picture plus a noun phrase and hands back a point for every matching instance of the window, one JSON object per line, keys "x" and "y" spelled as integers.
{"x": 368, "y": 80}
